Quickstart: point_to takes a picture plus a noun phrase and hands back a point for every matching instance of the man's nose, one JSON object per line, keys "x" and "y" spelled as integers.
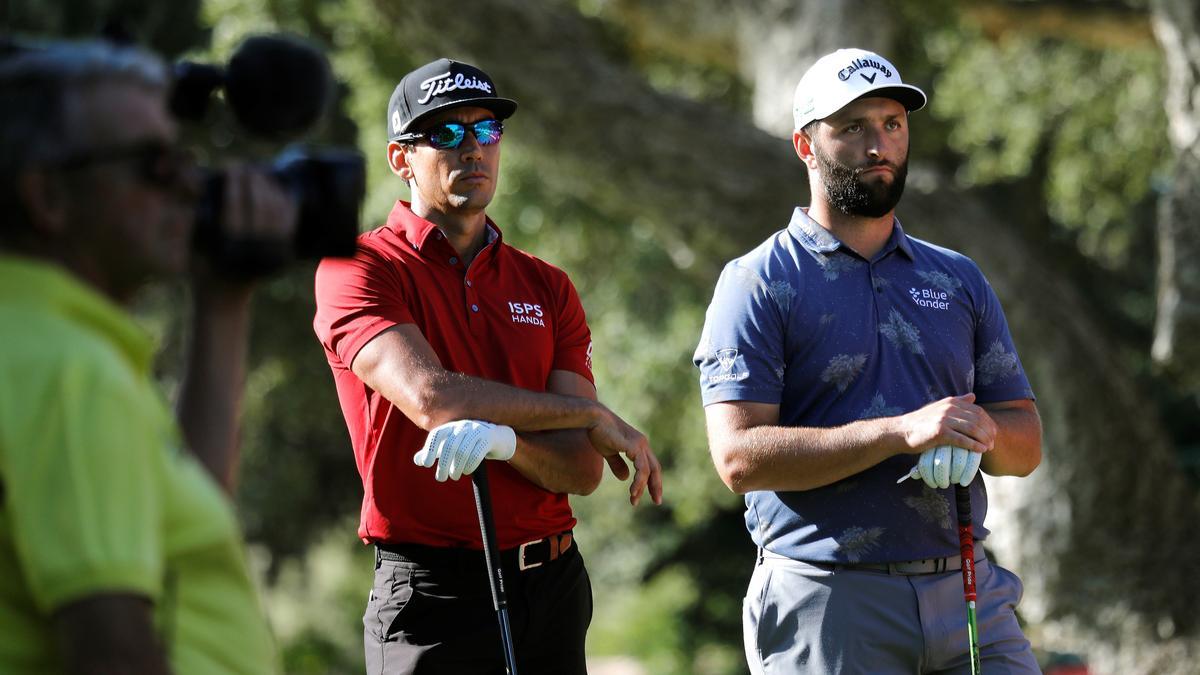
{"x": 470, "y": 147}
{"x": 874, "y": 143}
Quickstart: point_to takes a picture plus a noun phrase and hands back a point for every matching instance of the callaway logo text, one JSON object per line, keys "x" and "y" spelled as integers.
{"x": 440, "y": 84}
{"x": 858, "y": 64}
{"x": 524, "y": 312}
{"x": 930, "y": 298}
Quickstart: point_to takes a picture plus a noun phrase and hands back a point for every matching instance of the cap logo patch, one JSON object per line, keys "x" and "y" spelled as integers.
{"x": 858, "y": 64}
{"x": 440, "y": 84}
{"x": 396, "y": 121}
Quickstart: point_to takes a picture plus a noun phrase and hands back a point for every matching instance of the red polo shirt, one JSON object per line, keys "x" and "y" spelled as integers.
{"x": 510, "y": 318}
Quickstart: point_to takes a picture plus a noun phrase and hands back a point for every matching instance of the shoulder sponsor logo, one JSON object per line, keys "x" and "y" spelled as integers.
{"x": 930, "y": 298}
{"x": 527, "y": 312}
{"x": 588, "y": 360}
{"x": 727, "y": 360}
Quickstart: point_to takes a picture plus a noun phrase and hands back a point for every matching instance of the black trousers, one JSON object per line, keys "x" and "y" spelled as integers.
{"x": 429, "y": 615}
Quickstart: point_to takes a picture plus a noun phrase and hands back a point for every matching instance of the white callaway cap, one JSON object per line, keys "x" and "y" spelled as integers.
{"x": 845, "y": 75}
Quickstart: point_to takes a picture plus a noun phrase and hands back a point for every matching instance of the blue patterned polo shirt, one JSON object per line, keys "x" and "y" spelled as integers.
{"x": 804, "y": 322}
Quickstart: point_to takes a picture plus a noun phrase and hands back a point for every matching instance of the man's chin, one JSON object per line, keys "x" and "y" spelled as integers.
{"x": 470, "y": 201}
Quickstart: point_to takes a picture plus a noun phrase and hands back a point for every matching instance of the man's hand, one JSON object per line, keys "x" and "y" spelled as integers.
{"x": 954, "y": 420}
{"x": 611, "y": 436}
{"x": 945, "y": 465}
{"x": 459, "y": 447}
{"x": 258, "y": 220}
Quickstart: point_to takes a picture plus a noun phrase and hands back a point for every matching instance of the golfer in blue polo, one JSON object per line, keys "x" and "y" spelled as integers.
{"x": 836, "y": 356}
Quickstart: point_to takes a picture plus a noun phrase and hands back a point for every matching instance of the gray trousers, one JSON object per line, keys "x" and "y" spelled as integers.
{"x": 802, "y": 618}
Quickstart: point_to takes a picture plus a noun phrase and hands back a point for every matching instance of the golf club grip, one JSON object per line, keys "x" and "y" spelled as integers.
{"x": 483, "y": 506}
{"x": 966, "y": 539}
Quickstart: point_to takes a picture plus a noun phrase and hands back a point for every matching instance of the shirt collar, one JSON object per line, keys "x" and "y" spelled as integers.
{"x": 898, "y": 240}
{"x": 810, "y": 234}
{"x": 25, "y": 280}
{"x": 817, "y": 239}
{"x": 417, "y": 231}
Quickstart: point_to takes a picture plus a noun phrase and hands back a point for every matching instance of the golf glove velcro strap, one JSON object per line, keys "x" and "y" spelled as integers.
{"x": 459, "y": 447}
{"x": 946, "y": 465}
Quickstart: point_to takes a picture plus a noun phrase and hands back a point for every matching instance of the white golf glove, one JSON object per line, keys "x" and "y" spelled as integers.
{"x": 945, "y": 465}
{"x": 459, "y": 447}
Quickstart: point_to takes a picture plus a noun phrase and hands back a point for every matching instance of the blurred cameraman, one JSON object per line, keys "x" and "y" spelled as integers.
{"x": 119, "y": 551}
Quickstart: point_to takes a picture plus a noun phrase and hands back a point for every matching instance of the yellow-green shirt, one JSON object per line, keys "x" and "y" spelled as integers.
{"x": 96, "y": 494}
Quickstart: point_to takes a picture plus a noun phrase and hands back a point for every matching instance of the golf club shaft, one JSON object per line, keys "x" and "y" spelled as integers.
{"x": 966, "y": 544}
{"x": 483, "y": 506}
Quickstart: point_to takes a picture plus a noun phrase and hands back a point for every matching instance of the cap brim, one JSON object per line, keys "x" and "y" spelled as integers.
{"x": 910, "y": 97}
{"x": 503, "y": 108}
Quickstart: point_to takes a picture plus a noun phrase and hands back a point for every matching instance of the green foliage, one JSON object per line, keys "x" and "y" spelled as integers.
{"x": 1086, "y": 121}
{"x": 316, "y": 604}
{"x": 169, "y": 28}
{"x": 646, "y": 624}
{"x": 703, "y": 66}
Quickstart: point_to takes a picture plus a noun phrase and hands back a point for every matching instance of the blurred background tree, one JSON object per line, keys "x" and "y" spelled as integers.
{"x": 1059, "y": 151}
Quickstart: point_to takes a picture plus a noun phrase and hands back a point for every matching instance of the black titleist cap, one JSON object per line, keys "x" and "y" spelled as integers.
{"x": 440, "y": 85}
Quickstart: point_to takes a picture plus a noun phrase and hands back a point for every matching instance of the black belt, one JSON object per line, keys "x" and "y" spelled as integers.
{"x": 904, "y": 568}
{"x": 527, "y": 556}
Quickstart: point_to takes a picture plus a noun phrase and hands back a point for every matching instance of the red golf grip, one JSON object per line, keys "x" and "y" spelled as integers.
{"x": 966, "y": 540}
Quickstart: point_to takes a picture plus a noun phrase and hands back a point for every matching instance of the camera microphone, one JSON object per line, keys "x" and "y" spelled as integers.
{"x": 277, "y": 87}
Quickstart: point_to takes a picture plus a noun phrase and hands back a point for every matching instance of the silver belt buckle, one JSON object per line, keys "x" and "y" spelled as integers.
{"x": 521, "y": 565}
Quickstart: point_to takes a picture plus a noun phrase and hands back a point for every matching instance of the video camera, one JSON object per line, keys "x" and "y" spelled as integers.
{"x": 277, "y": 89}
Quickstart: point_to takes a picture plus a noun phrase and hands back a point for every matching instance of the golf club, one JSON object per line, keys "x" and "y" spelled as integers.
{"x": 483, "y": 506}
{"x": 966, "y": 544}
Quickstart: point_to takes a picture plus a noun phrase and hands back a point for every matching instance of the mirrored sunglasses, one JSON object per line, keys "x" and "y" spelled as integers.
{"x": 450, "y": 135}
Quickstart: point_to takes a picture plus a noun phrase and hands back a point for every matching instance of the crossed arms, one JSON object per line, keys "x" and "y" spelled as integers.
{"x": 561, "y": 434}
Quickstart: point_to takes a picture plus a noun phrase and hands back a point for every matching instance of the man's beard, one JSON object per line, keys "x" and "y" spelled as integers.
{"x": 850, "y": 195}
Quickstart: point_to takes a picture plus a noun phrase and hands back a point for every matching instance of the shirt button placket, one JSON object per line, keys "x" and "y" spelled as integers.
{"x": 877, "y": 295}
{"x": 472, "y": 301}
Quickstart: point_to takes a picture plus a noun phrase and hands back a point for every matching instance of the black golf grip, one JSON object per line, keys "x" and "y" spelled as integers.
{"x": 962, "y": 498}
{"x": 483, "y": 506}
{"x": 487, "y": 528}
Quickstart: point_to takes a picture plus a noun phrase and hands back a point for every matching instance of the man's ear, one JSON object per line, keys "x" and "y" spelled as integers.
{"x": 804, "y": 149}
{"x": 44, "y": 198}
{"x": 398, "y": 160}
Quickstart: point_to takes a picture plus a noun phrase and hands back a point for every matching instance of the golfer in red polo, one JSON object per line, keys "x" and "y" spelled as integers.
{"x": 449, "y": 346}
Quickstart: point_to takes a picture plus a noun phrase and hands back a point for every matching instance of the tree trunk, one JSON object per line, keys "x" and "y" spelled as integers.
{"x": 1177, "y": 26}
{"x": 1101, "y": 533}
{"x": 780, "y": 39}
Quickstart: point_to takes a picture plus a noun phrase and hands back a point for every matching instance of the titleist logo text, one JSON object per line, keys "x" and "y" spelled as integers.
{"x": 440, "y": 84}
